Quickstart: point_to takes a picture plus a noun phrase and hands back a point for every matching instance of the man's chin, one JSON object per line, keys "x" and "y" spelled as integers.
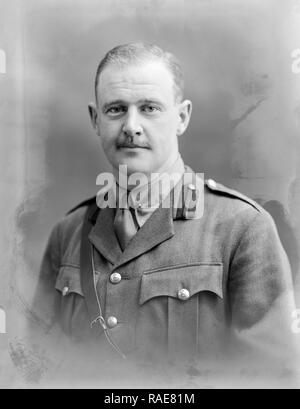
{"x": 135, "y": 166}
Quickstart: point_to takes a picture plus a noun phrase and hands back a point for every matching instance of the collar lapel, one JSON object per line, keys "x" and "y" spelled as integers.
{"x": 157, "y": 229}
{"x": 103, "y": 236}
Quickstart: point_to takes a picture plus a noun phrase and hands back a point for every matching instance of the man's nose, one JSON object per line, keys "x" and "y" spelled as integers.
{"x": 132, "y": 125}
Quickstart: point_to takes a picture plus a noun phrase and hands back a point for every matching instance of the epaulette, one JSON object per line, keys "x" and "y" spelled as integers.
{"x": 87, "y": 202}
{"x": 219, "y": 188}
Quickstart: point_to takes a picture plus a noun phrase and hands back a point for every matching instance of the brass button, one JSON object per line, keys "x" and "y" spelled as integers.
{"x": 65, "y": 291}
{"x": 183, "y": 294}
{"x": 115, "y": 278}
{"x": 112, "y": 322}
{"x": 211, "y": 183}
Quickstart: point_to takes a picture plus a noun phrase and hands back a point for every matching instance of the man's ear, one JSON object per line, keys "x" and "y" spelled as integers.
{"x": 185, "y": 111}
{"x": 93, "y": 111}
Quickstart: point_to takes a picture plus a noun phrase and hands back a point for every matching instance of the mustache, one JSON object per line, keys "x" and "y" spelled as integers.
{"x": 132, "y": 143}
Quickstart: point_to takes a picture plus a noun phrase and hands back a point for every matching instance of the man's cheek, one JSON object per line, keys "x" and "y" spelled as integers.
{"x": 109, "y": 127}
{"x": 109, "y": 135}
{"x": 109, "y": 146}
{"x": 167, "y": 128}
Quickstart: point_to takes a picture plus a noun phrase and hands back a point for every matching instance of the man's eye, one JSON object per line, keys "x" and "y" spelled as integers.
{"x": 116, "y": 110}
{"x": 149, "y": 109}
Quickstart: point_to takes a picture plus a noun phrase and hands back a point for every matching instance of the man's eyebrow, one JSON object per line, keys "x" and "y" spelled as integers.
{"x": 107, "y": 105}
{"x": 115, "y": 102}
{"x": 150, "y": 101}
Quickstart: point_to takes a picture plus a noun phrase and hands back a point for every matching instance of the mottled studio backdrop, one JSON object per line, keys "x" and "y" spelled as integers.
{"x": 244, "y": 132}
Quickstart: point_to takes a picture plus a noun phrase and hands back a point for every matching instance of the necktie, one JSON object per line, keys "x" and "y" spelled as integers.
{"x": 125, "y": 226}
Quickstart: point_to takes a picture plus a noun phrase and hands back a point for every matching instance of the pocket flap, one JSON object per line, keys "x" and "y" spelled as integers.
{"x": 169, "y": 281}
{"x": 68, "y": 280}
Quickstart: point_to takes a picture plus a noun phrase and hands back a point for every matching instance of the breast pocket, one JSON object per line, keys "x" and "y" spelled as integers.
{"x": 72, "y": 309}
{"x": 186, "y": 297}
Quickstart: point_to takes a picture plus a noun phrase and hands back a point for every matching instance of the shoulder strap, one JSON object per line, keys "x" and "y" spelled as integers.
{"x": 218, "y": 188}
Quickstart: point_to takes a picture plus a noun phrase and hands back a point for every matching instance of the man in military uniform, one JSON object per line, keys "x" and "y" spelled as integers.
{"x": 173, "y": 280}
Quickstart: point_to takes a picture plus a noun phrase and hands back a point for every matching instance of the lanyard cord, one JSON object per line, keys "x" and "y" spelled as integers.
{"x": 100, "y": 317}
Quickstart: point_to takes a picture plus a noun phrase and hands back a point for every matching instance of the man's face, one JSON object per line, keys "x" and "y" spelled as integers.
{"x": 137, "y": 118}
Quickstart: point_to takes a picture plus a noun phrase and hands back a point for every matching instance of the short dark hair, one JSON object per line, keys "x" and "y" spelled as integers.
{"x": 138, "y": 52}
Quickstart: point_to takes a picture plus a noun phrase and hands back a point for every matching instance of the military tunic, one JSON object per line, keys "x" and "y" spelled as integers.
{"x": 184, "y": 287}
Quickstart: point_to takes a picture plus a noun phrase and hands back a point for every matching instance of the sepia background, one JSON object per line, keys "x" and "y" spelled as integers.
{"x": 244, "y": 132}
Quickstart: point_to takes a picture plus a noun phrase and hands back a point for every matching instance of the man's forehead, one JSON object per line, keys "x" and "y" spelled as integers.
{"x": 148, "y": 76}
